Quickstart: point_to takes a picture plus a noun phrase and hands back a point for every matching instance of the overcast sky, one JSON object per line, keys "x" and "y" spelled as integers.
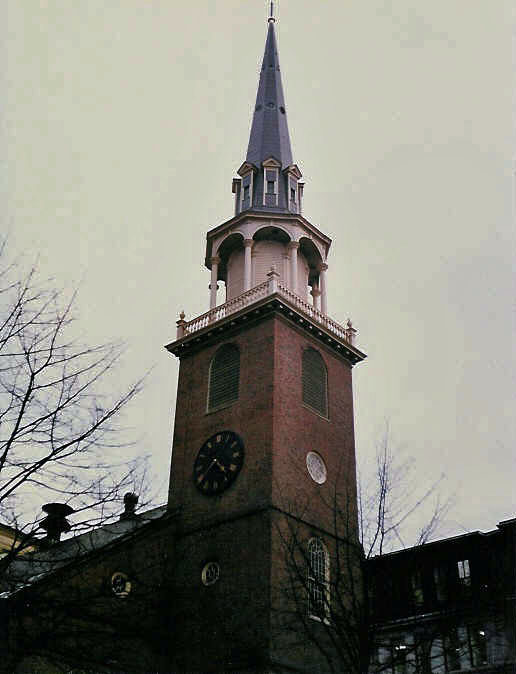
{"x": 126, "y": 121}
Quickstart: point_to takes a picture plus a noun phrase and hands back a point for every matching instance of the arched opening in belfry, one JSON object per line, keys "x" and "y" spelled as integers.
{"x": 309, "y": 252}
{"x": 270, "y": 248}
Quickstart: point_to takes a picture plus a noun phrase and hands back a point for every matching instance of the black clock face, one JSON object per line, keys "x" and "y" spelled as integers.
{"x": 218, "y": 463}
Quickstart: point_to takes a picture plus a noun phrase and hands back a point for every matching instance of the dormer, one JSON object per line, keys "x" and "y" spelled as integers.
{"x": 244, "y": 188}
{"x": 293, "y": 175}
{"x": 271, "y": 172}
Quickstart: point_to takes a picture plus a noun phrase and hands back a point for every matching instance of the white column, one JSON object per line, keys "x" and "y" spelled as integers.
{"x": 316, "y": 294}
{"x": 284, "y": 269}
{"x": 248, "y": 244}
{"x": 292, "y": 247}
{"x": 213, "y": 284}
{"x": 322, "y": 285}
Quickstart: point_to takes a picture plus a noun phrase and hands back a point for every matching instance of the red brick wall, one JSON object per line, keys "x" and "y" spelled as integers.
{"x": 250, "y": 417}
{"x": 277, "y": 429}
{"x": 298, "y": 430}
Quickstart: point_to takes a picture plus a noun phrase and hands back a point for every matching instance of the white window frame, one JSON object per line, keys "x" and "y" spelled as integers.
{"x": 318, "y": 584}
{"x": 265, "y": 181}
{"x": 464, "y": 571}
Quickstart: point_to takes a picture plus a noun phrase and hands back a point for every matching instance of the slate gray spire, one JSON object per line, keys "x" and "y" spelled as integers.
{"x": 269, "y": 131}
{"x": 269, "y": 181}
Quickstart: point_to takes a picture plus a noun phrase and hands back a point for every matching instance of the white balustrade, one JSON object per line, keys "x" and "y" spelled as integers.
{"x": 258, "y": 292}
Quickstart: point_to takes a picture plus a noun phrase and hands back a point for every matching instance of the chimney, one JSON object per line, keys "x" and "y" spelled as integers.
{"x": 55, "y": 523}
{"x": 130, "y": 501}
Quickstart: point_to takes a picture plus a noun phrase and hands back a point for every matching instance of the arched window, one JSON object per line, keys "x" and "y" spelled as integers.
{"x": 224, "y": 377}
{"x": 318, "y": 580}
{"x": 315, "y": 382}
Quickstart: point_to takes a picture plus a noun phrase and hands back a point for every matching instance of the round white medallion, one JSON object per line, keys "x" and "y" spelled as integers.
{"x": 120, "y": 584}
{"x": 316, "y": 467}
{"x": 210, "y": 573}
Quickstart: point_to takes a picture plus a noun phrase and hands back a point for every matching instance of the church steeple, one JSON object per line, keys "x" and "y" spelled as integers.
{"x": 269, "y": 177}
{"x": 269, "y": 131}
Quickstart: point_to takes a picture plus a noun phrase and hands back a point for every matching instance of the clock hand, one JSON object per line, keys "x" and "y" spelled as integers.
{"x": 201, "y": 477}
{"x": 222, "y": 468}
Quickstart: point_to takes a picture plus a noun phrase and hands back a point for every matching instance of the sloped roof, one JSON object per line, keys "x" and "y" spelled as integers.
{"x": 30, "y": 568}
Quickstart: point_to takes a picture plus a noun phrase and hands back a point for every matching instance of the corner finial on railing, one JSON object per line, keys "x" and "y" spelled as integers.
{"x": 350, "y": 332}
{"x": 273, "y": 276}
{"x": 181, "y": 325}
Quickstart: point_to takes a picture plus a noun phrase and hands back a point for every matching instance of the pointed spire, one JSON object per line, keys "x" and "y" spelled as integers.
{"x": 269, "y": 131}
{"x": 269, "y": 181}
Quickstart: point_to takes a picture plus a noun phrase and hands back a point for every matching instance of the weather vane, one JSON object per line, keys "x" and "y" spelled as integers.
{"x": 271, "y": 13}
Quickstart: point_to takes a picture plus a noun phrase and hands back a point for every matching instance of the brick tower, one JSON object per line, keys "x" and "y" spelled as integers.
{"x": 263, "y": 436}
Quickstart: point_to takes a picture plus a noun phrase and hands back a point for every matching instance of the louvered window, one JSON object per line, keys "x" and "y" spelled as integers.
{"x": 224, "y": 377}
{"x": 318, "y": 580}
{"x": 315, "y": 382}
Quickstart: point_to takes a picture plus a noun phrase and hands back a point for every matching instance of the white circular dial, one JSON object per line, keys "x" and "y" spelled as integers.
{"x": 210, "y": 573}
{"x": 316, "y": 467}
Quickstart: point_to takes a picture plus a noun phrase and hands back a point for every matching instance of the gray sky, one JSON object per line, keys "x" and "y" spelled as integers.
{"x": 126, "y": 121}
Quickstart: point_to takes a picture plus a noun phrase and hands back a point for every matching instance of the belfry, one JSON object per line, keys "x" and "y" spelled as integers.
{"x": 263, "y": 433}
{"x": 242, "y": 251}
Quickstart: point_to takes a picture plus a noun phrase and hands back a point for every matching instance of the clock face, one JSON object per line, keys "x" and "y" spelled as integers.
{"x": 218, "y": 462}
{"x": 316, "y": 467}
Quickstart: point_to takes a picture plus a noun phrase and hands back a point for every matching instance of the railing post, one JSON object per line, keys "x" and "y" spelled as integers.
{"x": 181, "y": 325}
{"x": 272, "y": 284}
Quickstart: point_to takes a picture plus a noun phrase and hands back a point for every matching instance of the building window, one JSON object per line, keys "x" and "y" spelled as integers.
{"x": 292, "y": 194}
{"x": 400, "y": 661}
{"x": 224, "y": 377}
{"x": 246, "y": 192}
{"x": 454, "y": 650}
{"x": 464, "y": 575}
{"x": 397, "y": 656}
{"x": 270, "y": 187}
{"x": 465, "y": 647}
{"x": 315, "y": 382}
{"x": 477, "y": 644}
{"x": 318, "y": 580}
{"x": 440, "y": 582}
{"x": 436, "y": 663}
{"x": 416, "y": 582}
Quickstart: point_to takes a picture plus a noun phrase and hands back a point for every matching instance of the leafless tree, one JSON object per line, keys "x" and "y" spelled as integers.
{"x": 60, "y": 432}
{"x": 335, "y": 604}
{"x": 391, "y": 499}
